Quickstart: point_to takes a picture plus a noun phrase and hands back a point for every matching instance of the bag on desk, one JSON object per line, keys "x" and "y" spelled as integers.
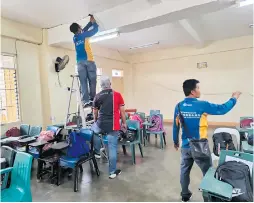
{"x": 222, "y": 141}
{"x": 236, "y": 174}
{"x": 13, "y": 132}
{"x": 250, "y": 140}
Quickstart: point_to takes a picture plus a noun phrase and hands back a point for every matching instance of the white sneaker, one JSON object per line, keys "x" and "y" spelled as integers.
{"x": 97, "y": 156}
{"x": 116, "y": 173}
{"x": 112, "y": 176}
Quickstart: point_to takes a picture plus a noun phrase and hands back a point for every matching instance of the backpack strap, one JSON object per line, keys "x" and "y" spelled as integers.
{"x": 181, "y": 118}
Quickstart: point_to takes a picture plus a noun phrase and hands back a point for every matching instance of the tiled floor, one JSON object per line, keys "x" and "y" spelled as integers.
{"x": 154, "y": 178}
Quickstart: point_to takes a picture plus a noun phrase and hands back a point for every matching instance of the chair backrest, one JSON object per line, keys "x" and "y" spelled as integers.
{"x": 247, "y": 122}
{"x": 228, "y": 155}
{"x": 157, "y": 120}
{"x": 134, "y": 125}
{"x": 21, "y": 173}
{"x": 9, "y": 154}
{"x": 231, "y": 131}
{"x": 24, "y": 129}
{"x": 35, "y": 130}
{"x": 142, "y": 115}
{"x": 78, "y": 145}
{"x": 152, "y": 112}
{"x": 86, "y": 133}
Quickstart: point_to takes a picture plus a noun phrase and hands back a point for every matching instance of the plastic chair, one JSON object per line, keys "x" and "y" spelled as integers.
{"x": 160, "y": 133}
{"x": 142, "y": 115}
{"x": 24, "y": 129}
{"x": 212, "y": 187}
{"x": 76, "y": 162}
{"x": 20, "y": 189}
{"x": 9, "y": 154}
{"x": 133, "y": 125}
{"x": 231, "y": 131}
{"x": 153, "y": 112}
{"x": 35, "y": 130}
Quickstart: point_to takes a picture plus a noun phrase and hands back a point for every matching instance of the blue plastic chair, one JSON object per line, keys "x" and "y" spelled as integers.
{"x": 24, "y": 129}
{"x": 160, "y": 133}
{"x": 132, "y": 124}
{"x": 153, "y": 112}
{"x": 35, "y": 130}
{"x": 76, "y": 162}
{"x": 20, "y": 188}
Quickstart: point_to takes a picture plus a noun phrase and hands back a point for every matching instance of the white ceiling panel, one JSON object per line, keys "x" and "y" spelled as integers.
{"x": 48, "y": 13}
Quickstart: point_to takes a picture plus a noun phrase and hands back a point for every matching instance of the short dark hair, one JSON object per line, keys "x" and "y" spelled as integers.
{"x": 74, "y": 28}
{"x": 189, "y": 85}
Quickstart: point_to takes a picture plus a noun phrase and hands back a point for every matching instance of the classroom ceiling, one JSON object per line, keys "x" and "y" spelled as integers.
{"x": 223, "y": 24}
{"x": 49, "y": 13}
{"x": 171, "y": 22}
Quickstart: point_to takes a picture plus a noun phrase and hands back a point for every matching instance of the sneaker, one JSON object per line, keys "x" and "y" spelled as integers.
{"x": 97, "y": 156}
{"x": 116, "y": 173}
{"x": 186, "y": 198}
{"x": 87, "y": 104}
{"x": 112, "y": 176}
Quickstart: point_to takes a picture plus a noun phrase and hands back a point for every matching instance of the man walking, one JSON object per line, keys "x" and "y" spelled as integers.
{"x": 195, "y": 113}
{"x": 85, "y": 60}
{"x": 108, "y": 107}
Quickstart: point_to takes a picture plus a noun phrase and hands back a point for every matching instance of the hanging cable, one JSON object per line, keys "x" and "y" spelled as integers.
{"x": 208, "y": 94}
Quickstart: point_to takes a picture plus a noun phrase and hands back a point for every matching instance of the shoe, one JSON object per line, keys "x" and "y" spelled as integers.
{"x": 87, "y": 104}
{"x": 97, "y": 156}
{"x": 116, "y": 173}
{"x": 112, "y": 176}
{"x": 186, "y": 198}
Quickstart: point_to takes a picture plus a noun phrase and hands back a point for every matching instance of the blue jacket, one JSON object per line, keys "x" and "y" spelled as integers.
{"x": 195, "y": 118}
{"x": 82, "y": 44}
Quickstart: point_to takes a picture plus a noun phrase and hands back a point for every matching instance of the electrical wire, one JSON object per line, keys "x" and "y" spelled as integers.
{"x": 59, "y": 82}
{"x": 208, "y": 94}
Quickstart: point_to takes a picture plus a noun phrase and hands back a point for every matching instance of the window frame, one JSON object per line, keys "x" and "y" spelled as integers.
{"x": 17, "y": 88}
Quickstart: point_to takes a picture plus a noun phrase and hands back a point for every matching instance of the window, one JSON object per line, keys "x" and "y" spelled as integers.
{"x": 117, "y": 73}
{"x": 99, "y": 74}
{"x": 9, "y": 99}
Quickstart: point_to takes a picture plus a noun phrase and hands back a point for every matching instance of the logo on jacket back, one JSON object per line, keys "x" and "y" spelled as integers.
{"x": 187, "y": 104}
{"x": 79, "y": 42}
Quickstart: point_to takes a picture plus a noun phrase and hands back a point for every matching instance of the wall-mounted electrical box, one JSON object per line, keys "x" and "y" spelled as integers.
{"x": 202, "y": 65}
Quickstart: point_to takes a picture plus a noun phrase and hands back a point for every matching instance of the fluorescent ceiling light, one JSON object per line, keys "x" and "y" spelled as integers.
{"x": 144, "y": 46}
{"x": 104, "y": 37}
{"x": 106, "y": 32}
{"x": 246, "y": 3}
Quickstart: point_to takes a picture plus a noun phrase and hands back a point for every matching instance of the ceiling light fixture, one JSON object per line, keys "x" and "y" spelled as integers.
{"x": 104, "y": 37}
{"x": 145, "y": 45}
{"x": 246, "y": 3}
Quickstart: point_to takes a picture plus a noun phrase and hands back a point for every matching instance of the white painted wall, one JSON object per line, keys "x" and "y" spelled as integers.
{"x": 230, "y": 68}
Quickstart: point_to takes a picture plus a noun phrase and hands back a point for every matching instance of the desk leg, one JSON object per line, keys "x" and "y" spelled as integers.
{"x": 124, "y": 149}
{"x": 27, "y": 148}
{"x": 144, "y": 134}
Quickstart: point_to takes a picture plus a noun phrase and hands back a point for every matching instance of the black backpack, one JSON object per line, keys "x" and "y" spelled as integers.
{"x": 223, "y": 141}
{"x": 250, "y": 139}
{"x": 236, "y": 174}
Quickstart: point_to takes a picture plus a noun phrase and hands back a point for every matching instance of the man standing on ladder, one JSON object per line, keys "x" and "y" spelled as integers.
{"x": 85, "y": 60}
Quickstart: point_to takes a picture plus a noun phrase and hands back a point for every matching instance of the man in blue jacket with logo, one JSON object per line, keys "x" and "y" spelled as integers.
{"x": 195, "y": 114}
{"x": 85, "y": 59}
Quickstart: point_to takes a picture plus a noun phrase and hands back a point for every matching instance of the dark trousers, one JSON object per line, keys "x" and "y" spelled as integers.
{"x": 186, "y": 164}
